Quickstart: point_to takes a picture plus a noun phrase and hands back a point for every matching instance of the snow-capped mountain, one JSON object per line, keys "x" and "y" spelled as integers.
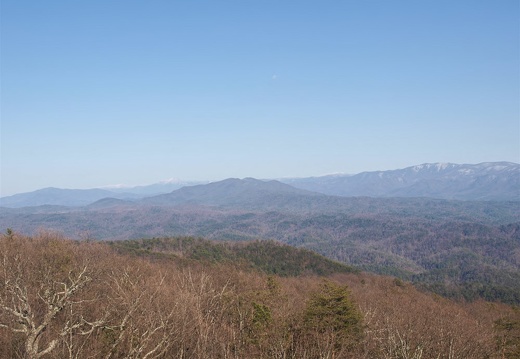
{"x": 498, "y": 181}
{"x": 484, "y": 181}
{"x": 161, "y": 187}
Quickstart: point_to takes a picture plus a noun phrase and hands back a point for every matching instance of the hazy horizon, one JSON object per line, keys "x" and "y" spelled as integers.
{"x": 130, "y": 184}
{"x": 96, "y": 94}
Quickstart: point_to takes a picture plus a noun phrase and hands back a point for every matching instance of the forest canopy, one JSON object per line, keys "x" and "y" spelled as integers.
{"x": 79, "y": 299}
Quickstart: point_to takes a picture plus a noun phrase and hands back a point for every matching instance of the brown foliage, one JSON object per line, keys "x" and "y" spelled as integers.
{"x": 66, "y": 299}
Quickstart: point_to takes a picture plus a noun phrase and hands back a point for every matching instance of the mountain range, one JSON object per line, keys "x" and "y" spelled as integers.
{"x": 62, "y": 197}
{"x": 458, "y": 248}
{"x": 495, "y": 181}
{"x": 485, "y": 181}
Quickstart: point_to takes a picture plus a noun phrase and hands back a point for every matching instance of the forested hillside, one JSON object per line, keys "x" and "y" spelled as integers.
{"x": 463, "y": 250}
{"x": 267, "y": 256}
{"x": 189, "y": 298}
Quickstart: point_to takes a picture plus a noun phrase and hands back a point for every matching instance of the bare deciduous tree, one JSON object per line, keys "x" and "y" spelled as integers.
{"x": 20, "y": 315}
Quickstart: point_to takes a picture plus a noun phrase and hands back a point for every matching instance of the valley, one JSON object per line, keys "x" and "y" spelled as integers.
{"x": 465, "y": 250}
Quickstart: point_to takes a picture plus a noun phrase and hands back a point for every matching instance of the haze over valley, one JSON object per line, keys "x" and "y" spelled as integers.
{"x": 378, "y": 250}
{"x": 427, "y": 234}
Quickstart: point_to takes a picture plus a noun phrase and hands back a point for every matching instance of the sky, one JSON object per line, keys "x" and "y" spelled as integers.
{"x": 98, "y": 92}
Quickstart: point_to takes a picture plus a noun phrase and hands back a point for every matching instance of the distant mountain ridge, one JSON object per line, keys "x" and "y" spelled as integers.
{"x": 155, "y": 188}
{"x": 61, "y": 197}
{"x": 442, "y": 243}
{"x": 490, "y": 181}
{"x": 245, "y": 193}
{"x": 84, "y": 197}
{"x": 498, "y": 181}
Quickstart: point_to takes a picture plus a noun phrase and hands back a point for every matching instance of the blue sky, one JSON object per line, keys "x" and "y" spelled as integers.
{"x": 98, "y": 92}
